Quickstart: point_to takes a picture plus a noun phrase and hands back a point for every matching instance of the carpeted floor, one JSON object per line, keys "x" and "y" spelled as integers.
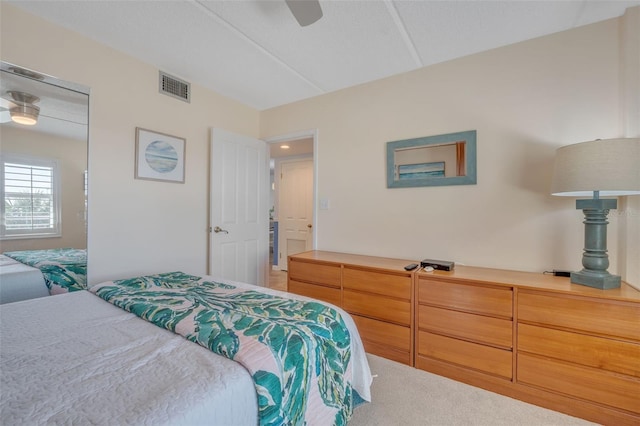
{"x": 407, "y": 396}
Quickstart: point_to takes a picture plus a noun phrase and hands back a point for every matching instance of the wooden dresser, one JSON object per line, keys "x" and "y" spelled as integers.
{"x": 530, "y": 336}
{"x": 377, "y": 292}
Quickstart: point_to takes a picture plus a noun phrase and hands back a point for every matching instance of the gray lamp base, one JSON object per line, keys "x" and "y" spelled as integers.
{"x": 596, "y": 280}
{"x": 594, "y": 258}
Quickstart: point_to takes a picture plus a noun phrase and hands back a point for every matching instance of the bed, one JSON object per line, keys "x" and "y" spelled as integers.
{"x": 59, "y": 355}
{"x": 19, "y": 281}
{"x": 63, "y": 269}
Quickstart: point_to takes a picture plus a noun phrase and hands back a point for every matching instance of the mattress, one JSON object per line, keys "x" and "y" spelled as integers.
{"x": 76, "y": 359}
{"x": 19, "y": 281}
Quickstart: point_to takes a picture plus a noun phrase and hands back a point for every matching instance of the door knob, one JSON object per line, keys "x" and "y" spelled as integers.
{"x": 309, "y": 225}
{"x": 217, "y": 229}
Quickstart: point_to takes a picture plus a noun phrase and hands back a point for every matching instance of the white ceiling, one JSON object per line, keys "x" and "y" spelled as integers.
{"x": 255, "y": 51}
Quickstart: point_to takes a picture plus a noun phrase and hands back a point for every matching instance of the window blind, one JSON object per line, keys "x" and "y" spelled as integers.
{"x": 30, "y": 198}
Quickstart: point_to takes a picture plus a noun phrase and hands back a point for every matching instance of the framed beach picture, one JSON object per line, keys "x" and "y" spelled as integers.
{"x": 421, "y": 170}
{"x": 159, "y": 156}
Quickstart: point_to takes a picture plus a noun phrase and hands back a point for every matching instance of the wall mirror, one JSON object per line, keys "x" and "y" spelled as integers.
{"x": 44, "y": 128}
{"x": 439, "y": 160}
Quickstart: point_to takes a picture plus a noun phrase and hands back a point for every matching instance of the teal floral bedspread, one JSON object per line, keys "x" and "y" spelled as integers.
{"x": 64, "y": 269}
{"x": 297, "y": 352}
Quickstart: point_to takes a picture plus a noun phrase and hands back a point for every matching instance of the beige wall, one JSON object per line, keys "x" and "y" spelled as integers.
{"x": 524, "y": 100}
{"x": 72, "y": 157}
{"x": 135, "y": 226}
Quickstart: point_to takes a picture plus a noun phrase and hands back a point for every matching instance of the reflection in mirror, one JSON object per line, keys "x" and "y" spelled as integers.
{"x": 432, "y": 161}
{"x": 43, "y": 184}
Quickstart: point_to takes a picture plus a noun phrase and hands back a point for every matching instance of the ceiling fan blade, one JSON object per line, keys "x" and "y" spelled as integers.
{"x": 6, "y": 103}
{"x": 5, "y": 116}
{"x": 306, "y": 12}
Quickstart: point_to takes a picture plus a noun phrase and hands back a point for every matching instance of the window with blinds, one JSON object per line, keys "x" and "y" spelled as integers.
{"x": 30, "y": 194}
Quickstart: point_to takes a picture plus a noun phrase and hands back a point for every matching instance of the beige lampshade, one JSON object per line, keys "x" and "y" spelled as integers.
{"x": 611, "y": 166}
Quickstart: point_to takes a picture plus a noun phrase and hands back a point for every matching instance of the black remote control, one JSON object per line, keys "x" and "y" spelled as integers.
{"x": 411, "y": 267}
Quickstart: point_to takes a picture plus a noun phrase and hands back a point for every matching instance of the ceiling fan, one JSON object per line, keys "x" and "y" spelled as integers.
{"x": 306, "y": 12}
{"x": 19, "y": 108}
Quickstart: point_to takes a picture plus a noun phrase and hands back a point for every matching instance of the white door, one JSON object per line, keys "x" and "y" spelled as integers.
{"x": 239, "y": 222}
{"x": 295, "y": 209}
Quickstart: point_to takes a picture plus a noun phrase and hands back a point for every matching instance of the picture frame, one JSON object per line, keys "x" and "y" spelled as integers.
{"x": 439, "y": 160}
{"x": 159, "y": 156}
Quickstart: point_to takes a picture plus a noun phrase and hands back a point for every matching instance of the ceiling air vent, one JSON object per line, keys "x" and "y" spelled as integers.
{"x": 175, "y": 87}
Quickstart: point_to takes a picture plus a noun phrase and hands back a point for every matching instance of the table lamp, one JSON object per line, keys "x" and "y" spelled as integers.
{"x": 604, "y": 167}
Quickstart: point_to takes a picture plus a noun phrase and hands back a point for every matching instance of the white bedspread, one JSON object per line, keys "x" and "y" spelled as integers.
{"x": 76, "y": 359}
{"x": 19, "y": 281}
{"x": 84, "y": 361}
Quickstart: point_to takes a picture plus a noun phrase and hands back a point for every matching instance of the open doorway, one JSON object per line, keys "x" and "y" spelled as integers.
{"x": 292, "y": 201}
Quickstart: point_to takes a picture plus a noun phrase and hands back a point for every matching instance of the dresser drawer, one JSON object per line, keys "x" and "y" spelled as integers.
{"x": 467, "y": 297}
{"x": 478, "y": 328}
{"x": 387, "y": 352}
{"x": 470, "y": 355}
{"x": 586, "y": 383}
{"x": 605, "y": 317}
{"x": 320, "y": 292}
{"x": 385, "y": 284}
{"x": 318, "y": 273}
{"x": 384, "y": 333}
{"x": 375, "y": 306}
{"x": 597, "y": 352}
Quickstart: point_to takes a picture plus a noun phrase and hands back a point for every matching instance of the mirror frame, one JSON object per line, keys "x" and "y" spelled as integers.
{"x": 45, "y": 78}
{"x": 469, "y": 137}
